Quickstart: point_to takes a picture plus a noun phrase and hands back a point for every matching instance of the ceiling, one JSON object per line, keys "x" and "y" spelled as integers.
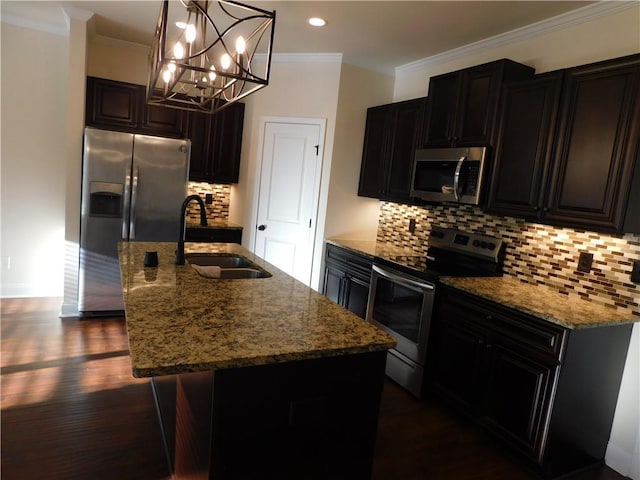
{"x": 376, "y": 34}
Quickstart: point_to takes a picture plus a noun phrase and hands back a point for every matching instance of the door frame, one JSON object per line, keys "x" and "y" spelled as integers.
{"x": 318, "y": 229}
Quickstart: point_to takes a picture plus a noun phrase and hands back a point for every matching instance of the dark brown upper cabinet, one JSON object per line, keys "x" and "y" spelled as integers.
{"x": 121, "y": 106}
{"x": 463, "y": 104}
{"x": 216, "y": 142}
{"x": 113, "y": 105}
{"x": 596, "y": 148}
{"x": 568, "y": 158}
{"x": 524, "y": 146}
{"x": 215, "y": 139}
{"x": 389, "y": 146}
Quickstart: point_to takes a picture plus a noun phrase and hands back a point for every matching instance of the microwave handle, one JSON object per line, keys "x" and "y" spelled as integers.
{"x": 456, "y": 177}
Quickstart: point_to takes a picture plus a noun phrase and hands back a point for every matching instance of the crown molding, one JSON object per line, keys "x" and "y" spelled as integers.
{"x": 565, "y": 20}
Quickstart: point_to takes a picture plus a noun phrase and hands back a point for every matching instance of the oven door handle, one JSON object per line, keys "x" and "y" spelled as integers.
{"x": 456, "y": 178}
{"x": 407, "y": 282}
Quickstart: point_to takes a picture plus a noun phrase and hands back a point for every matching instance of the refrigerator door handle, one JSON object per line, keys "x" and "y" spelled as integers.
{"x": 127, "y": 198}
{"x": 134, "y": 200}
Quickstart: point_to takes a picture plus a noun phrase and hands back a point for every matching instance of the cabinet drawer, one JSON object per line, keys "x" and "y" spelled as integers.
{"x": 511, "y": 327}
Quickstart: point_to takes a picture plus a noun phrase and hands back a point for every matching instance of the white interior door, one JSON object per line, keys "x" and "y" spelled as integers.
{"x": 288, "y": 198}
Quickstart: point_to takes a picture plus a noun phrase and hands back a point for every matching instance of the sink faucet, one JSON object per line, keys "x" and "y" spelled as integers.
{"x": 183, "y": 214}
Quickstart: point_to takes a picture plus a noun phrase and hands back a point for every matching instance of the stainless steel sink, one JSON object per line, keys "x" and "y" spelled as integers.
{"x": 231, "y": 266}
{"x": 219, "y": 260}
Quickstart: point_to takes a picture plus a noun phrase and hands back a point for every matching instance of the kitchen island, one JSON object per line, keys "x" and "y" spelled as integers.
{"x": 254, "y": 378}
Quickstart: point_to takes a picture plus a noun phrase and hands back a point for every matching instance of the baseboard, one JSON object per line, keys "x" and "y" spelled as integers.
{"x": 619, "y": 460}
{"x": 69, "y": 309}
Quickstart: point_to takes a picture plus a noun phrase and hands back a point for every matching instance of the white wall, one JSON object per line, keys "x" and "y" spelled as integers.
{"x": 117, "y": 60}
{"x": 34, "y": 158}
{"x": 348, "y": 215}
{"x": 603, "y": 31}
{"x": 316, "y": 86}
{"x": 304, "y": 86}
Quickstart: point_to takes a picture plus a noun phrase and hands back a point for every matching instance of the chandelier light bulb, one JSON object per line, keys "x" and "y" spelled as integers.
{"x": 212, "y": 73}
{"x": 241, "y": 45}
{"x": 225, "y": 61}
{"x": 190, "y": 33}
{"x": 178, "y": 50}
{"x": 171, "y": 67}
{"x": 166, "y": 76}
{"x": 181, "y": 25}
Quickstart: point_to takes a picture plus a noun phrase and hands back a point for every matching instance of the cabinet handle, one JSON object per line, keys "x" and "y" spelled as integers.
{"x": 545, "y": 209}
{"x": 536, "y": 208}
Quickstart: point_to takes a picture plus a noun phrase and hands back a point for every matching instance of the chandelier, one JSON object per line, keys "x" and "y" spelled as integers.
{"x": 207, "y": 55}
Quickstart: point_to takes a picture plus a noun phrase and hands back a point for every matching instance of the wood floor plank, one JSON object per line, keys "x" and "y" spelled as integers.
{"x": 71, "y": 410}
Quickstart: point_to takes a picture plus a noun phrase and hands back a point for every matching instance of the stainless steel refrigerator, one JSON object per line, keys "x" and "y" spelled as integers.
{"x": 132, "y": 189}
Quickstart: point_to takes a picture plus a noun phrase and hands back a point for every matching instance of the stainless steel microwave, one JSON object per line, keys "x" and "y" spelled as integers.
{"x": 449, "y": 174}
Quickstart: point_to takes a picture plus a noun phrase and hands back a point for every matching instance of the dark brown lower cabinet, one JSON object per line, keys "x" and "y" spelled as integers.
{"x": 310, "y": 419}
{"x": 546, "y": 391}
{"x": 346, "y": 279}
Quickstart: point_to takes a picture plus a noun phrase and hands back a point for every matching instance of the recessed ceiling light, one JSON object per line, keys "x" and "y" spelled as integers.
{"x": 317, "y": 22}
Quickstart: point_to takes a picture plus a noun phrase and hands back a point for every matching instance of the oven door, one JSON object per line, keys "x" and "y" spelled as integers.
{"x": 401, "y": 305}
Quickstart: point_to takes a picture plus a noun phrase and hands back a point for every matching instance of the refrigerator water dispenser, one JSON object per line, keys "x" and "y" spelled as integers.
{"x": 106, "y": 199}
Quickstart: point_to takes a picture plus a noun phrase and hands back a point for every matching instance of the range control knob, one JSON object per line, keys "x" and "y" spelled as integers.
{"x": 491, "y": 246}
{"x": 483, "y": 244}
{"x": 476, "y": 243}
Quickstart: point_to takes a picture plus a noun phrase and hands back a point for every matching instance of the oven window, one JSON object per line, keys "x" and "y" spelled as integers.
{"x": 398, "y": 308}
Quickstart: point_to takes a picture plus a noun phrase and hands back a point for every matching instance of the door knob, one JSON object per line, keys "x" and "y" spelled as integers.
{"x": 262, "y": 227}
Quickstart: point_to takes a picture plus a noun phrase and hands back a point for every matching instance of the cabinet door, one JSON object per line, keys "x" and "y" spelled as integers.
{"x": 596, "y": 144}
{"x": 443, "y": 101}
{"x": 333, "y": 283}
{"x": 406, "y": 124}
{"x": 163, "y": 121}
{"x": 374, "y": 153}
{"x": 477, "y": 106}
{"x": 356, "y": 296}
{"x": 227, "y": 144}
{"x": 457, "y": 358}
{"x": 527, "y": 121}
{"x": 113, "y": 105}
{"x": 199, "y": 132}
{"x": 517, "y": 398}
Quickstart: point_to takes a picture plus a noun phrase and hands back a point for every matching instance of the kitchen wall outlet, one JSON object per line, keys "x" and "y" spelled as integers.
{"x": 584, "y": 262}
{"x": 208, "y": 198}
{"x": 635, "y": 272}
{"x": 412, "y": 225}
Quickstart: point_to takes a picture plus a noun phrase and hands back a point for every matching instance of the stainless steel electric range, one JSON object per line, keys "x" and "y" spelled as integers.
{"x": 403, "y": 291}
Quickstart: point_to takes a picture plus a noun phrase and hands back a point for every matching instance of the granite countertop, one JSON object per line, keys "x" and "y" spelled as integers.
{"x": 537, "y": 300}
{"x": 372, "y": 249}
{"x": 178, "y": 321}
{"x": 542, "y": 302}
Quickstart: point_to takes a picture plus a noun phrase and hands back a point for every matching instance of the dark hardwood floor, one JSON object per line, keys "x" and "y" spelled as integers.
{"x": 72, "y": 410}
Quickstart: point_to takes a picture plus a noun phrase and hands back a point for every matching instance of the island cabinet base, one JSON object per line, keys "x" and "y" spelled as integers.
{"x": 311, "y": 419}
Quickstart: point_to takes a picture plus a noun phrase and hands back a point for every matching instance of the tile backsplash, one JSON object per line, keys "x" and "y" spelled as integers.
{"x": 218, "y": 210}
{"x": 535, "y": 253}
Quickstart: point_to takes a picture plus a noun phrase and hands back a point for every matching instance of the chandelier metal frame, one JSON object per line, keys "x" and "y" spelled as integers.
{"x": 197, "y": 81}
